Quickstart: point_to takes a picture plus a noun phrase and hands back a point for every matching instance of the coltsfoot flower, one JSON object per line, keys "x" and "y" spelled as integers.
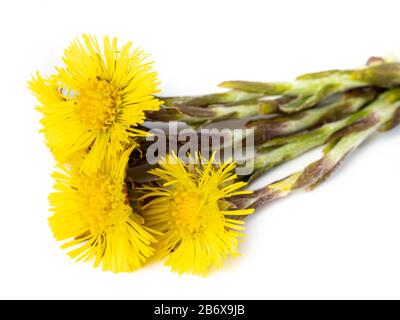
{"x": 94, "y": 104}
{"x": 189, "y": 208}
{"x": 92, "y": 214}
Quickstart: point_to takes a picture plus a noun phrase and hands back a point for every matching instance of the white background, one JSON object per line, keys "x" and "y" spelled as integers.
{"x": 340, "y": 241}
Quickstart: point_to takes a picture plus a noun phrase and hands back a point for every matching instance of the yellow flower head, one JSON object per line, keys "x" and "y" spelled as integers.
{"x": 95, "y": 102}
{"x": 92, "y": 213}
{"x": 199, "y": 231}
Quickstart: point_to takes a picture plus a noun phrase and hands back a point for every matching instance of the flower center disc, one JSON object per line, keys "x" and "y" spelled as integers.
{"x": 96, "y": 104}
{"x": 187, "y": 211}
{"x": 96, "y": 201}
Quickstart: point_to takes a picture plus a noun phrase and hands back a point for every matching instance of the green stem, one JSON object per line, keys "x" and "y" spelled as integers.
{"x": 197, "y": 116}
{"x": 228, "y": 97}
{"x": 350, "y": 102}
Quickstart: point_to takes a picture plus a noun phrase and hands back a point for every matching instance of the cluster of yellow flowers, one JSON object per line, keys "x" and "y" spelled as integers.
{"x": 91, "y": 111}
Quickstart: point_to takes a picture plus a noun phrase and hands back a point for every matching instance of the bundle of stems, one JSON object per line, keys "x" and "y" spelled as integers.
{"x": 254, "y": 98}
{"x": 383, "y": 114}
{"x": 296, "y": 117}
